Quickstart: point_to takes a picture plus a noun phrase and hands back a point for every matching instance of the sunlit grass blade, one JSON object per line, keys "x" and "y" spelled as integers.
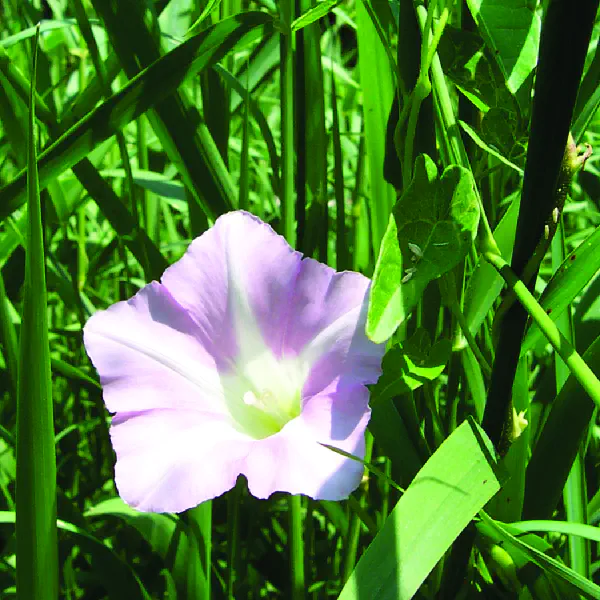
{"x": 578, "y": 268}
{"x": 37, "y": 550}
{"x": 444, "y": 497}
{"x": 379, "y": 92}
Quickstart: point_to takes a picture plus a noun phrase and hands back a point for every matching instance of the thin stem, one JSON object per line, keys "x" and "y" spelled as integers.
{"x": 353, "y": 538}
{"x": 286, "y": 50}
{"x": 457, "y": 152}
{"x": 423, "y": 85}
{"x": 297, "y": 548}
{"x": 578, "y": 367}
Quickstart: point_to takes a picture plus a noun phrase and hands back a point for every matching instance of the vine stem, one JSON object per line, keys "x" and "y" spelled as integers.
{"x": 578, "y": 367}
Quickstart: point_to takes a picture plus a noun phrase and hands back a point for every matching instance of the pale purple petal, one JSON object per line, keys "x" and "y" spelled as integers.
{"x": 294, "y": 460}
{"x": 237, "y": 273}
{"x": 172, "y": 460}
{"x": 149, "y": 354}
{"x": 328, "y": 328}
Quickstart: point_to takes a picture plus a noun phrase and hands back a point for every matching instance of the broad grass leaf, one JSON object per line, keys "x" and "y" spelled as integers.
{"x": 453, "y": 485}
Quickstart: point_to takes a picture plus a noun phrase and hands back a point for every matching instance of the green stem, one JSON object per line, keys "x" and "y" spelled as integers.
{"x": 355, "y": 525}
{"x": 578, "y": 367}
{"x": 199, "y": 519}
{"x": 286, "y": 50}
{"x": 423, "y": 85}
{"x": 456, "y": 149}
{"x": 233, "y": 541}
{"x": 297, "y": 548}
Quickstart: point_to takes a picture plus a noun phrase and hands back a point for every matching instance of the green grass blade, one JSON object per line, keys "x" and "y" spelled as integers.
{"x": 37, "y": 550}
{"x": 379, "y": 92}
{"x": 446, "y": 494}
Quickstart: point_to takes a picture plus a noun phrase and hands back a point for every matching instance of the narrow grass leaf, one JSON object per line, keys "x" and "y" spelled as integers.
{"x": 314, "y": 14}
{"x": 37, "y": 550}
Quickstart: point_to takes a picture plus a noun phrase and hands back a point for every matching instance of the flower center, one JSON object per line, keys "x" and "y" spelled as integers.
{"x": 264, "y": 394}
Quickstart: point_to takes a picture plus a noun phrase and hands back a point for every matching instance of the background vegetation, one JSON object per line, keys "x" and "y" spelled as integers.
{"x": 418, "y": 143}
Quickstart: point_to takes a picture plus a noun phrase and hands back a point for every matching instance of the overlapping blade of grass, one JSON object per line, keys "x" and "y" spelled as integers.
{"x": 37, "y": 549}
{"x": 170, "y": 538}
{"x": 115, "y": 211}
{"x": 575, "y": 493}
{"x": 145, "y": 90}
{"x": 550, "y": 565}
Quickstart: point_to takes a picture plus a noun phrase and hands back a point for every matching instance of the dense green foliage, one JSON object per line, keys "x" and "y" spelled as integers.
{"x": 420, "y": 143}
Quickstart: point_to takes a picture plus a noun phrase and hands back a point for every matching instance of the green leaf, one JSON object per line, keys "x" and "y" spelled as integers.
{"x": 470, "y": 65}
{"x": 500, "y": 129}
{"x": 485, "y": 284}
{"x": 511, "y": 29}
{"x": 37, "y": 572}
{"x": 560, "y": 439}
{"x": 489, "y": 149}
{"x": 390, "y": 301}
{"x": 314, "y": 14}
{"x": 409, "y": 365}
{"x": 436, "y": 218}
{"x": 430, "y": 231}
{"x": 169, "y": 537}
{"x": 455, "y": 483}
{"x": 378, "y": 85}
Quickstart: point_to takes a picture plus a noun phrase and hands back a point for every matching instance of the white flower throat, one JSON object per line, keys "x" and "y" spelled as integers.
{"x": 264, "y": 394}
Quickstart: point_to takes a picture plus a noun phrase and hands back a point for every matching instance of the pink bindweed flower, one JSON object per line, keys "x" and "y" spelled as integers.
{"x": 244, "y": 359}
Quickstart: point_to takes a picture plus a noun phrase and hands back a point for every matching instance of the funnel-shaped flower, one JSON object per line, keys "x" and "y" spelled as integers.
{"x": 243, "y": 360}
